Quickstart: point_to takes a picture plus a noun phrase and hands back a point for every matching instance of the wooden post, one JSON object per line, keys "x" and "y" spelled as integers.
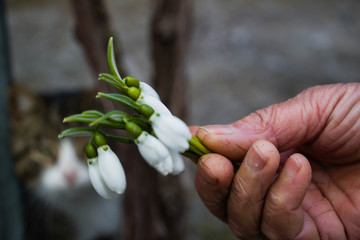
{"x": 155, "y": 204}
{"x": 93, "y": 30}
{"x": 11, "y": 222}
{"x": 169, "y": 40}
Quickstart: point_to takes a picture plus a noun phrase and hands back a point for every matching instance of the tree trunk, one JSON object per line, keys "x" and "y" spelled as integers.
{"x": 155, "y": 204}
{"x": 93, "y": 30}
{"x": 170, "y": 39}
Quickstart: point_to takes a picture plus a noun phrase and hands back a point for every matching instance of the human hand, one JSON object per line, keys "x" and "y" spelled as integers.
{"x": 301, "y": 182}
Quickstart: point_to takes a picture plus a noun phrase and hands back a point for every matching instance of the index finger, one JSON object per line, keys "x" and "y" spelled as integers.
{"x": 287, "y": 125}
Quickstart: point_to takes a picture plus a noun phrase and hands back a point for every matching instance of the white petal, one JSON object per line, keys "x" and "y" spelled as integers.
{"x": 156, "y": 104}
{"x": 155, "y": 153}
{"x": 178, "y": 162}
{"x": 111, "y": 169}
{"x": 97, "y": 181}
{"x": 147, "y": 90}
{"x": 172, "y": 131}
{"x": 165, "y": 167}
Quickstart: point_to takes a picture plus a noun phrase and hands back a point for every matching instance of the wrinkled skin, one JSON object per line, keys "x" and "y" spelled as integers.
{"x": 300, "y": 171}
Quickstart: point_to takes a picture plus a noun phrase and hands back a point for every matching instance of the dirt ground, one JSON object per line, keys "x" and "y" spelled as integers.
{"x": 244, "y": 55}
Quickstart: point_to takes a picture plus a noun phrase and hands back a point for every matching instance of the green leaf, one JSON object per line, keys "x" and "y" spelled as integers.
{"x": 114, "y": 81}
{"x": 80, "y": 118}
{"x": 114, "y": 115}
{"x": 124, "y": 100}
{"x": 119, "y": 139}
{"x": 77, "y": 132}
{"x": 90, "y": 119}
{"x": 93, "y": 113}
{"x": 117, "y": 116}
{"x": 111, "y": 58}
{"x": 89, "y": 132}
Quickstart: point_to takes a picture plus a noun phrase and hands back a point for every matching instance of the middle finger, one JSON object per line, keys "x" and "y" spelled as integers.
{"x": 249, "y": 188}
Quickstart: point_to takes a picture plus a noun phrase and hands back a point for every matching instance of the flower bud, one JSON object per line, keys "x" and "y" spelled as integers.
{"x": 133, "y": 129}
{"x": 172, "y": 131}
{"x": 111, "y": 169}
{"x": 146, "y": 110}
{"x": 155, "y": 104}
{"x": 90, "y": 151}
{"x": 148, "y": 91}
{"x": 99, "y": 139}
{"x": 132, "y": 82}
{"x": 178, "y": 162}
{"x": 97, "y": 181}
{"x": 133, "y": 93}
{"x": 155, "y": 153}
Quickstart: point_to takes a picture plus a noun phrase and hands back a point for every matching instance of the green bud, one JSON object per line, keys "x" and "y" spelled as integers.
{"x": 99, "y": 139}
{"x": 133, "y": 93}
{"x": 133, "y": 129}
{"x": 132, "y": 82}
{"x": 90, "y": 151}
{"x": 146, "y": 110}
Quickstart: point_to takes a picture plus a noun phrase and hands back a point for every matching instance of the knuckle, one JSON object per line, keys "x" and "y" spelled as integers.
{"x": 241, "y": 190}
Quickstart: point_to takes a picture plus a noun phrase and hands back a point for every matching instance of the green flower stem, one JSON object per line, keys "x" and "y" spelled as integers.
{"x": 93, "y": 113}
{"x": 198, "y": 145}
{"x": 120, "y": 139}
{"x": 190, "y": 154}
{"x": 111, "y": 58}
{"x": 125, "y": 100}
{"x": 114, "y": 81}
{"x": 195, "y": 150}
{"x": 114, "y": 115}
{"x": 79, "y": 118}
{"x": 104, "y": 123}
{"x": 89, "y": 132}
{"x": 77, "y": 132}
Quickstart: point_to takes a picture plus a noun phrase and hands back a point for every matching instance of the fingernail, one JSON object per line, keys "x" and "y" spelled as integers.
{"x": 255, "y": 159}
{"x": 219, "y": 129}
{"x": 293, "y": 167}
{"x": 205, "y": 173}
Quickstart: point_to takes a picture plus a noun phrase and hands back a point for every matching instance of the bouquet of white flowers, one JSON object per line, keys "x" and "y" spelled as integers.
{"x": 161, "y": 137}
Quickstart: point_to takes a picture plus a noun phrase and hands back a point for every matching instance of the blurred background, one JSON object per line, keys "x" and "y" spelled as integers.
{"x": 242, "y": 55}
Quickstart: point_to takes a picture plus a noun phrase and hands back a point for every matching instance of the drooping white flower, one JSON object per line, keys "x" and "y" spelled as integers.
{"x": 171, "y": 131}
{"x": 97, "y": 180}
{"x": 147, "y": 90}
{"x": 111, "y": 169}
{"x": 155, "y": 153}
{"x": 178, "y": 162}
{"x": 155, "y": 104}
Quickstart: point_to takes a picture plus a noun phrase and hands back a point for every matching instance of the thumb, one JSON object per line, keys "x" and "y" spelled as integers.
{"x": 287, "y": 125}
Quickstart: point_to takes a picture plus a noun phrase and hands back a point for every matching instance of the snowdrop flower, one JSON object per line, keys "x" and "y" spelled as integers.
{"x": 178, "y": 162}
{"x": 151, "y": 149}
{"x": 111, "y": 169}
{"x": 155, "y": 153}
{"x": 148, "y": 91}
{"x": 172, "y": 131}
{"x": 97, "y": 181}
{"x": 155, "y": 104}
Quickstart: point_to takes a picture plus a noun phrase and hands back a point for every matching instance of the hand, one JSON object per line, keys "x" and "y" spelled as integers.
{"x": 300, "y": 171}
